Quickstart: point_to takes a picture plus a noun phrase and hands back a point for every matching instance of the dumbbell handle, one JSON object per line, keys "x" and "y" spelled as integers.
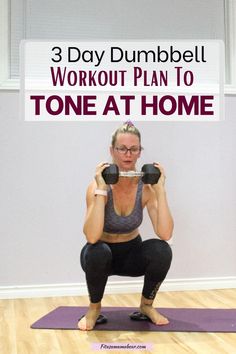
{"x": 130, "y": 174}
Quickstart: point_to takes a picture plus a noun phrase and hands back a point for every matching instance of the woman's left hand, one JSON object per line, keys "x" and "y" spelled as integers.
{"x": 161, "y": 182}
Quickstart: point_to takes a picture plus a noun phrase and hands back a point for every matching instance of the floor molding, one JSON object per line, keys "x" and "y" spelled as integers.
{"x": 114, "y": 287}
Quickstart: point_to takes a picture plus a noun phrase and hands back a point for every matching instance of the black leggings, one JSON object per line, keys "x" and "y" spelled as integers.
{"x": 151, "y": 258}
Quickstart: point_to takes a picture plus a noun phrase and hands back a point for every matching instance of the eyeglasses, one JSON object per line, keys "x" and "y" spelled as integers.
{"x": 134, "y": 150}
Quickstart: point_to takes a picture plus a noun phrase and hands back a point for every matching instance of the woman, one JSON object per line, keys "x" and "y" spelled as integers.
{"x": 114, "y": 246}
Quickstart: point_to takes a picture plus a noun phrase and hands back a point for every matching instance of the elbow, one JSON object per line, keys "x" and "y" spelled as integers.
{"x": 91, "y": 237}
{"x": 166, "y": 234}
{"x": 92, "y": 242}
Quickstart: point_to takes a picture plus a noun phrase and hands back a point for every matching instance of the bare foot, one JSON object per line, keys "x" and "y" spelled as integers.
{"x": 154, "y": 315}
{"x": 87, "y": 322}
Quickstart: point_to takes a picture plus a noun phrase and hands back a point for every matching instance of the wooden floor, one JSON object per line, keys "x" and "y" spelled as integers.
{"x": 16, "y": 316}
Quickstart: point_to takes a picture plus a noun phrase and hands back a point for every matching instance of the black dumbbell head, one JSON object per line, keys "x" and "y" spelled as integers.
{"x": 151, "y": 174}
{"x": 111, "y": 174}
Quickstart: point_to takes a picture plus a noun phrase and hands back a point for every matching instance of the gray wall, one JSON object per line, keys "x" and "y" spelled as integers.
{"x": 45, "y": 169}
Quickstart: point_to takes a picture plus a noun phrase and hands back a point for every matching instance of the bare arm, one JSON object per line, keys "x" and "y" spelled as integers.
{"x": 158, "y": 209}
{"x": 94, "y": 220}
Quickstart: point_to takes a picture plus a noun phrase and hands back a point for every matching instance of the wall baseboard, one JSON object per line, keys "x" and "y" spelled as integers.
{"x": 114, "y": 287}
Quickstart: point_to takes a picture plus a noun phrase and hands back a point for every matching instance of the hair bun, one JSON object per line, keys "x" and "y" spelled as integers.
{"x": 129, "y": 123}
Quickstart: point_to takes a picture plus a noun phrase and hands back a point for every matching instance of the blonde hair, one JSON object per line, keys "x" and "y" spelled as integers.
{"x": 127, "y": 127}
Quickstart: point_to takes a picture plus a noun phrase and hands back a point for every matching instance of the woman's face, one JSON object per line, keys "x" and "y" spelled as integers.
{"x": 126, "y": 159}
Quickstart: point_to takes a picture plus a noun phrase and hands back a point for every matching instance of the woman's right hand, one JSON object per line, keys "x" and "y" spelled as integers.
{"x": 101, "y": 184}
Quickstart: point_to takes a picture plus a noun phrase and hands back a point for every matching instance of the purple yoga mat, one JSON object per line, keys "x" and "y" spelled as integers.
{"x": 181, "y": 320}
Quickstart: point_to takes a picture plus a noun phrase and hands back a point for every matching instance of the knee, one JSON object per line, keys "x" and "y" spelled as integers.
{"x": 99, "y": 250}
{"x": 159, "y": 251}
{"x": 166, "y": 250}
{"x": 96, "y": 256}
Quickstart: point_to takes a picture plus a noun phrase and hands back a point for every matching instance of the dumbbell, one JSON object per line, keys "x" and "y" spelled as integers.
{"x": 149, "y": 173}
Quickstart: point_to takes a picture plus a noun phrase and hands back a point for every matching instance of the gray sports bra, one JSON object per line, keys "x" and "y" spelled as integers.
{"x": 116, "y": 224}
